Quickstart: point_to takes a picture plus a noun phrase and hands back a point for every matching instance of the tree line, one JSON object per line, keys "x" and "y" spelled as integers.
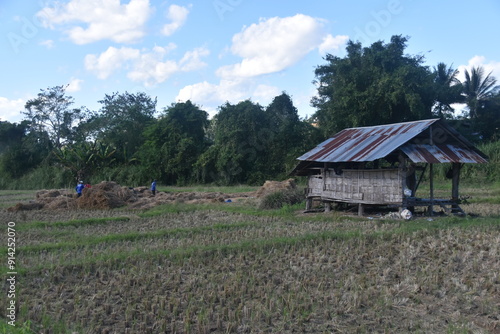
{"x": 127, "y": 140}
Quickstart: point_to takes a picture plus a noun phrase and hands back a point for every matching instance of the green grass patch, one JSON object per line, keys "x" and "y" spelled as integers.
{"x": 9, "y": 198}
{"x": 208, "y": 188}
{"x": 170, "y": 208}
{"x": 233, "y": 207}
{"x": 70, "y": 223}
{"x": 17, "y": 192}
{"x": 202, "y": 252}
{"x": 19, "y": 328}
{"x": 487, "y": 200}
{"x": 79, "y": 241}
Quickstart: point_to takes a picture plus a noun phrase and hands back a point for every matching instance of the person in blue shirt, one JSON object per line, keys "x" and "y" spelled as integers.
{"x": 153, "y": 187}
{"x": 79, "y": 188}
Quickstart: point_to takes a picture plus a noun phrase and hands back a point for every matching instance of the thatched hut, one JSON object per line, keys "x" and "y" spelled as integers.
{"x": 383, "y": 165}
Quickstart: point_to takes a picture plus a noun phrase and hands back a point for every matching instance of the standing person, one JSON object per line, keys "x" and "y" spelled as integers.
{"x": 79, "y": 188}
{"x": 153, "y": 187}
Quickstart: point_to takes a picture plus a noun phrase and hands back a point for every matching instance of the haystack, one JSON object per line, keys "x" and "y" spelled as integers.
{"x": 61, "y": 202}
{"x": 270, "y": 187}
{"x": 106, "y": 195}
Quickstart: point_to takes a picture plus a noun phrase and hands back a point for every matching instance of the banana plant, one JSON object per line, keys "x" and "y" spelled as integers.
{"x": 84, "y": 158}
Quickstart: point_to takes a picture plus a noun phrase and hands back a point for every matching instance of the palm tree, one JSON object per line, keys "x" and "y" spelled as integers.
{"x": 477, "y": 88}
{"x": 448, "y": 90}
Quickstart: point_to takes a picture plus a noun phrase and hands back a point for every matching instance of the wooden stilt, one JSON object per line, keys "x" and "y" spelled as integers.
{"x": 455, "y": 180}
{"x": 309, "y": 203}
{"x": 431, "y": 190}
{"x": 361, "y": 209}
{"x": 431, "y": 177}
{"x": 328, "y": 206}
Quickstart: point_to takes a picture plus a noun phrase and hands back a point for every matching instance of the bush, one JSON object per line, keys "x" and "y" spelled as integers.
{"x": 282, "y": 198}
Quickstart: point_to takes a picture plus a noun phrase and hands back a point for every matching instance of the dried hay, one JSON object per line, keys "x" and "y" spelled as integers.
{"x": 109, "y": 195}
{"x": 105, "y": 195}
{"x": 270, "y": 187}
{"x": 143, "y": 191}
{"x": 26, "y": 206}
{"x": 61, "y": 202}
{"x": 52, "y": 193}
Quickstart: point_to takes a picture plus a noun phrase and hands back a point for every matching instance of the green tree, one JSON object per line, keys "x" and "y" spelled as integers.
{"x": 50, "y": 113}
{"x": 487, "y": 121}
{"x": 12, "y": 134}
{"x": 174, "y": 143}
{"x": 477, "y": 88}
{"x": 238, "y": 154}
{"x": 288, "y": 136}
{"x": 372, "y": 85}
{"x": 448, "y": 90}
{"x": 21, "y": 149}
{"x": 121, "y": 121}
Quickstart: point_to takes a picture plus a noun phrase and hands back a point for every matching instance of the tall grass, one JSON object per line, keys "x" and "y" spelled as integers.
{"x": 489, "y": 171}
{"x": 43, "y": 177}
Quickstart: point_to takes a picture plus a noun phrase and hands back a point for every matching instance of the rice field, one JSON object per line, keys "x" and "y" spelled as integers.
{"x": 232, "y": 268}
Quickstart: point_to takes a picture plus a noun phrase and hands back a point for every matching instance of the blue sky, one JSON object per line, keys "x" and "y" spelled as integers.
{"x": 213, "y": 51}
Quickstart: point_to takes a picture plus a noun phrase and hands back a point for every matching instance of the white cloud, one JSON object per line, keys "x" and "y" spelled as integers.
{"x": 49, "y": 44}
{"x": 211, "y": 93}
{"x": 110, "y": 60}
{"x": 491, "y": 66}
{"x": 264, "y": 94}
{"x": 150, "y": 68}
{"x": 87, "y": 21}
{"x": 269, "y": 46}
{"x": 192, "y": 59}
{"x": 332, "y": 44}
{"x": 74, "y": 85}
{"x": 176, "y": 14}
{"x": 275, "y": 44}
{"x": 147, "y": 66}
{"x": 10, "y": 110}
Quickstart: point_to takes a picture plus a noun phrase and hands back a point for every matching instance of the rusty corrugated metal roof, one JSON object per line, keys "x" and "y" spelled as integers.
{"x": 376, "y": 142}
{"x": 441, "y": 153}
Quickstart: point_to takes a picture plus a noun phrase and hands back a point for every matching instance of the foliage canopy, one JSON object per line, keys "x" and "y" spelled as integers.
{"x": 372, "y": 85}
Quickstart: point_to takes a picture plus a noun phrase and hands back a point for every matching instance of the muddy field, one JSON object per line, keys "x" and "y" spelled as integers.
{"x": 228, "y": 267}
